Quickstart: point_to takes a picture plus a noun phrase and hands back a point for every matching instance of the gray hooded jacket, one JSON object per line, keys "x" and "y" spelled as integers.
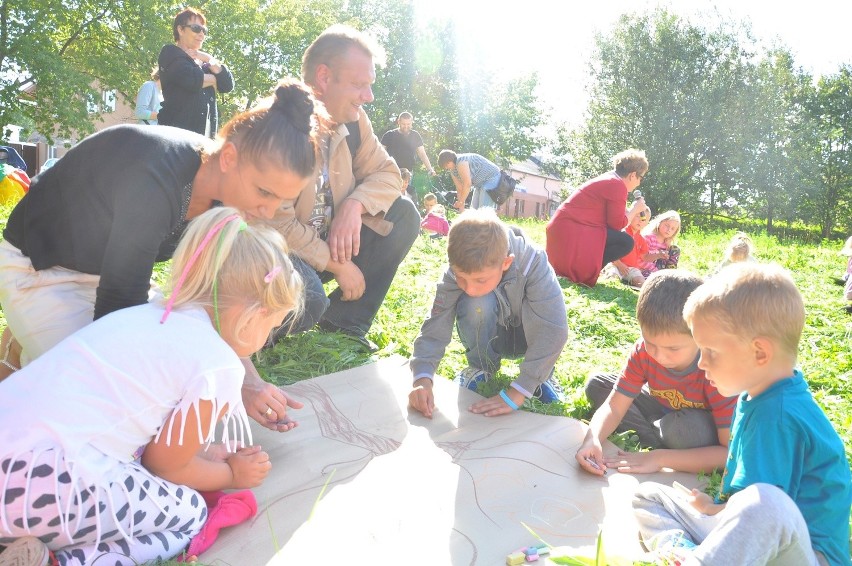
{"x": 529, "y": 296}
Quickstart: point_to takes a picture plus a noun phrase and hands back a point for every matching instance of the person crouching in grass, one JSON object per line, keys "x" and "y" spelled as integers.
{"x": 505, "y": 300}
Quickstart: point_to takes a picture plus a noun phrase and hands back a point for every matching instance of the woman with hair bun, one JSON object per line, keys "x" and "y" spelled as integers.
{"x": 83, "y": 242}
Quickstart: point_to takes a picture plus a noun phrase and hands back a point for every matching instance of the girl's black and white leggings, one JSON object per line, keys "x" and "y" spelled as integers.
{"x": 137, "y": 519}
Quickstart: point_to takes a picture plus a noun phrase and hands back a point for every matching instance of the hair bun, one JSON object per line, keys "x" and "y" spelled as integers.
{"x": 295, "y": 101}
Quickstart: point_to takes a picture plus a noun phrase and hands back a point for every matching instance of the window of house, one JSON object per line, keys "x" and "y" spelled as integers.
{"x": 104, "y": 104}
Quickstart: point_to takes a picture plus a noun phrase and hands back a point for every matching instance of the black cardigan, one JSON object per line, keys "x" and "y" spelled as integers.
{"x": 185, "y": 104}
{"x": 110, "y": 207}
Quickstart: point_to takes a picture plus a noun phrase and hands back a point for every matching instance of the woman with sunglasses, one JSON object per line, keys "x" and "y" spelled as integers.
{"x": 83, "y": 241}
{"x": 190, "y": 78}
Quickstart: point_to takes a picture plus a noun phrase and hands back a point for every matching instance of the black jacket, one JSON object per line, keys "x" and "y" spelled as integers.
{"x": 110, "y": 207}
{"x": 185, "y": 104}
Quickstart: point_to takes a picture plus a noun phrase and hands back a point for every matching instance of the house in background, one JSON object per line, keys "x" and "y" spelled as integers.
{"x": 537, "y": 193}
{"x": 35, "y": 149}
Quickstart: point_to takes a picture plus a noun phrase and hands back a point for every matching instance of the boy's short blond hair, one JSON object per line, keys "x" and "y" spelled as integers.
{"x": 429, "y": 197}
{"x": 659, "y": 308}
{"x": 749, "y": 300}
{"x": 478, "y": 240}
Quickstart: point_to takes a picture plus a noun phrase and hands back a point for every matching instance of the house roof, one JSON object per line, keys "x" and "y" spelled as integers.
{"x": 530, "y": 167}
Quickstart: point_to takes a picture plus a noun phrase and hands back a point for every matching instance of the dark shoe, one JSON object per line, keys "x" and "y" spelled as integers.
{"x": 364, "y": 342}
{"x": 361, "y": 339}
{"x": 848, "y": 309}
{"x": 550, "y": 391}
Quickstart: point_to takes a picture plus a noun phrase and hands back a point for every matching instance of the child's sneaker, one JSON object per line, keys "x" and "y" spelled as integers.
{"x": 670, "y": 548}
{"x": 471, "y": 377}
{"x": 26, "y": 551}
{"x": 550, "y": 391}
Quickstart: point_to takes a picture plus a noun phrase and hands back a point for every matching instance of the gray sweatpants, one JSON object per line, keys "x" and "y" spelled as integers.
{"x": 759, "y": 525}
{"x": 656, "y": 428}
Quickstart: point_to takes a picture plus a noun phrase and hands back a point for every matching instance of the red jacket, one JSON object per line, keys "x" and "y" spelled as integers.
{"x": 576, "y": 235}
{"x": 640, "y": 248}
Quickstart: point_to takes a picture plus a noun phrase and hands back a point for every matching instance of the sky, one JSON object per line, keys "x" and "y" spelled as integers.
{"x": 555, "y": 37}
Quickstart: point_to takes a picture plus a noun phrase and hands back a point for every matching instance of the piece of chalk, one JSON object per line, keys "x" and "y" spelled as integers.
{"x": 595, "y": 465}
{"x": 515, "y": 558}
{"x": 532, "y": 557}
{"x": 544, "y": 550}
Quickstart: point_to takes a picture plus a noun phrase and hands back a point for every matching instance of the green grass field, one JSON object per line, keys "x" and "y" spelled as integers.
{"x": 601, "y": 321}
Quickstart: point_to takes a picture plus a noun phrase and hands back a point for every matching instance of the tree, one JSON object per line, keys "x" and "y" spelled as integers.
{"x": 43, "y": 48}
{"x": 68, "y": 50}
{"x": 485, "y": 113}
{"x": 831, "y": 110}
{"x": 664, "y": 85}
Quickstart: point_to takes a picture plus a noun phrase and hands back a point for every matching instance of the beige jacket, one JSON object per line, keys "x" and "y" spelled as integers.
{"x": 372, "y": 178}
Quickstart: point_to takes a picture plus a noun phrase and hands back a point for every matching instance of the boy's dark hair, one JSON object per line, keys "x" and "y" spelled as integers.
{"x": 478, "y": 240}
{"x": 659, "y": 309}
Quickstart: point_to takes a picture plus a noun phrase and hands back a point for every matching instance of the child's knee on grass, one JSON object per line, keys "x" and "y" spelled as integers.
{"x": 688, "y": 428}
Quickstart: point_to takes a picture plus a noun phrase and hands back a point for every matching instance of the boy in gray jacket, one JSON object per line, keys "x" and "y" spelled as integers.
{"x": 506, "y": 302}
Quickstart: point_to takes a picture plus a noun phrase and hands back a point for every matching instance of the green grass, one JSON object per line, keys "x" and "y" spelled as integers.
{"x": 601, "y": 321}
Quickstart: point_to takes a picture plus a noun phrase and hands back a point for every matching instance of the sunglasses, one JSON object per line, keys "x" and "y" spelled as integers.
{"x": 197, "y": 28}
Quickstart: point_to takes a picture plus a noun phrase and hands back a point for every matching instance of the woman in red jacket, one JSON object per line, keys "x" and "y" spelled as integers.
{"x": 585, "y": 233}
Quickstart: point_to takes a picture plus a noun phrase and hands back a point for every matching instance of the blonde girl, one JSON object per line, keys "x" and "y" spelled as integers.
{"x": 661, "y": 234}
{"x": 107, "y": 437}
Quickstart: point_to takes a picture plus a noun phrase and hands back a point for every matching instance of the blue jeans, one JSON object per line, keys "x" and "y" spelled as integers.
{"x": 480, "y": 194}
{"x": 486, "y": 341}
{"x": 314, "y": 302}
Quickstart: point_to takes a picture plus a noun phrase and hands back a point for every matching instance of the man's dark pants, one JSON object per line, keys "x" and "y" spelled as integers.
{"x": 378, "y": 260}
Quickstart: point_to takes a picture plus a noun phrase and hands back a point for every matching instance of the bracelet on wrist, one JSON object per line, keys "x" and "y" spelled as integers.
{"x": 508, "y": 400}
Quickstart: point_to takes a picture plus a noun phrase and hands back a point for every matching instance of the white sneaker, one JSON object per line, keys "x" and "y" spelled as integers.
{"x": 471, "y": 377}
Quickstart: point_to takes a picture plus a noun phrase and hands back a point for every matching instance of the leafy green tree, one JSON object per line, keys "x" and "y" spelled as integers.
{"x": 767, "y": 143}
{"x": 663, "y": 85}
{"x": 46, "y": 61}
{"x": 831, "y": 111}
{"x": 69, "y": 50}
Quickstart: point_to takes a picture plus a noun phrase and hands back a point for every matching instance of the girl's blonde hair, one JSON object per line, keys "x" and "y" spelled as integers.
{"x": 234, "y": 264}
{"x": 654, "y": 225}
{"x": 739, "y": 248}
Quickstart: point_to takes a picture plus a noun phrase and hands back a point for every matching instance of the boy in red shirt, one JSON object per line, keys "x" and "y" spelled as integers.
{"x": 661, "y": 393}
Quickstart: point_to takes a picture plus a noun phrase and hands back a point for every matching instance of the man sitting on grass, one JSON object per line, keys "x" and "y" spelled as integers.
{"x": 503, "y": 296}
